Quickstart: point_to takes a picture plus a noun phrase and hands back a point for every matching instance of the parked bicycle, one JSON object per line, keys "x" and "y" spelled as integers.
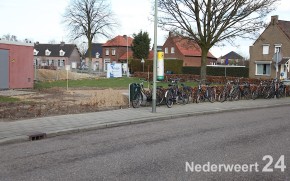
{"x": 231, "y": 91}
{"x": 141, "y": 95}
{"x": 205, "y": 92}
{"x": 174, "y": 94}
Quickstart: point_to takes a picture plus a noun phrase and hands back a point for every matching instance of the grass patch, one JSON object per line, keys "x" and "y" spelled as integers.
{"x": 120, "y": 83}
{"x": 8, "y": 99}
{"x": 115, "y": 83}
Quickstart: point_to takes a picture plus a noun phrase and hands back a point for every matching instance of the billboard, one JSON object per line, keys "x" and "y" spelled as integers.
{"x": 114, "y": 70}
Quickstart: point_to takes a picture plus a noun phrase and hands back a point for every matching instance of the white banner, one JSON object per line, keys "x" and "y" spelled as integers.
{"x": 114, "y": 70}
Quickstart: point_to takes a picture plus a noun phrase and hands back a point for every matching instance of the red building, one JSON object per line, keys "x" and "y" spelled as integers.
{"x": 16, "y": 65}
{"x": 116, "y": 48}
{"x": 176, "y": 47}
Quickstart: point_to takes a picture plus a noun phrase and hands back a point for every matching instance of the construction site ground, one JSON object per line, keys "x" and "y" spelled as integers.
{"x": 58, "y": 101}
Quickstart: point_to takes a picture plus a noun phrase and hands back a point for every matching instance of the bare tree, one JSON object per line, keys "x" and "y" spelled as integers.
{"x": 89, "y": 18}
{"x": 211, "y": 22}
{"x": 9, "y": 37}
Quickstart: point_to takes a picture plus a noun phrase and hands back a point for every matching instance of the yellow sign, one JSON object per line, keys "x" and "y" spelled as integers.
{"x": 13, "y": 60}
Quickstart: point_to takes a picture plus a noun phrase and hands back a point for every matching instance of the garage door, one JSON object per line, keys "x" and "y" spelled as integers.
{"x": 4, "y": 69}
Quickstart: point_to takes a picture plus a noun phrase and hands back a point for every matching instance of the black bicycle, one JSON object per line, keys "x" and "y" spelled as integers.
{"x": 205, "y": 92}
{"x": 175, "y": 94}
{"x": 141, "y": 95}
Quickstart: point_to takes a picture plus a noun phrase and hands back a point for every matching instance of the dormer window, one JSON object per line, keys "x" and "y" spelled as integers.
{"x": 97, "y": 55}
{"x": 35, "y": 52}
{"x": 47, "y": 52}
{"x": 61, "y": 53}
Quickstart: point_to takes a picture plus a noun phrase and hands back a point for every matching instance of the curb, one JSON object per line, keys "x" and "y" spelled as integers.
{"x": 18, "y": 139}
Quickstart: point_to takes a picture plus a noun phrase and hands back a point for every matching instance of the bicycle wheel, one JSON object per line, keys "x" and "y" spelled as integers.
{"x": 223, "y": 96}
{"x": 247, "y": 93}
{"x": 235, "y": 95}
{"x": 186, "y": 97}
{"x": 210, "y": 95}
{"x": 280, "y": 93}
{"x": 137, "y": 99}
{"x": 182, "y": 97}
{"x": 255, "y": 94}
{"x": 169, "y": 98}
{"x": 159, "y": 96}
{"x": 198, "y": 97}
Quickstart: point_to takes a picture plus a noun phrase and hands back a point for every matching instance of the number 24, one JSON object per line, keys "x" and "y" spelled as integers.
{"x": 280, "y": 164}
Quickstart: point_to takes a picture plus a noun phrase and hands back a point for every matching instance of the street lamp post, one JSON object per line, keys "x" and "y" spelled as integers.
{"x": 277, "y": 54}
{"x": 154, "y": 61}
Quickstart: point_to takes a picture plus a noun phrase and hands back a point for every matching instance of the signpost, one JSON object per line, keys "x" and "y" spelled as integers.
{"x": 277, "y": 58}
{"x": 67, "y": 68}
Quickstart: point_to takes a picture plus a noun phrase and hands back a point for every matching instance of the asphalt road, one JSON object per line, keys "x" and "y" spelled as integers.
{"x": 193, "y": 148}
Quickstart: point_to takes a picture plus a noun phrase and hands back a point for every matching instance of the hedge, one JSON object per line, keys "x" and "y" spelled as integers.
{"x": 219, "y": 71}
{"x": 169, "y": 65}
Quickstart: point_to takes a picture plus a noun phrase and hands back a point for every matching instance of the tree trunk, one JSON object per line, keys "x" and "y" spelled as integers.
{"x": 90, "y": 56}
{"x": 203, "y": 64}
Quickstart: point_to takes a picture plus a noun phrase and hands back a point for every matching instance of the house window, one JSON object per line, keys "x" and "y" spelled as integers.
{"x": 263, "y": 69}
{"x": 35, "y": 63}
{"x": 60, "y": 63}
{"x": 265, "y": 49}
{"x": 107, "y": 52}
{"x": 114, "y": 52}
{"x": 166, "y": 50}
{"x": 277, "y": 48}
{"x": 172, "y": 50}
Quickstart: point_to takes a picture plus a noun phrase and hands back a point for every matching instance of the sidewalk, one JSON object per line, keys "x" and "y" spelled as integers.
{"x": 19, "y": 131}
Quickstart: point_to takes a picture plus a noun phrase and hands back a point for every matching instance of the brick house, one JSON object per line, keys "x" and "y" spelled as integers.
{"x": 116, "y": 48}
{"x": 275, "y": 38}
{"x": 56, "y": 56}
{"x": 177, "y": 48}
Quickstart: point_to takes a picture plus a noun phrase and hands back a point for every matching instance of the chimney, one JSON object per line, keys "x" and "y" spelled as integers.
{"x": 274, "y": 19}
{"x": 37, "y": 43}
{"x": 62, "y": 43}
{"x": 170, "y": 34}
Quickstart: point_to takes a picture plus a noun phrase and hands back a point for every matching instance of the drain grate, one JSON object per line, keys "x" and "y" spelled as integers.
{"x": 36, "y": 136}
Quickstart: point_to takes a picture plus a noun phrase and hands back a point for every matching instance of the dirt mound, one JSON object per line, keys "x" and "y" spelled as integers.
{"x": 45, "y": 74}
{"x": 58, "y": 101}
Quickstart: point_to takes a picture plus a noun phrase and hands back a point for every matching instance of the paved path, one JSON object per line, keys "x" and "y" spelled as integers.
{"x": 18, "y": 131}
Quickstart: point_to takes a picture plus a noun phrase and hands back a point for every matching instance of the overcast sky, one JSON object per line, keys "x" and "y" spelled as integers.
{"x": 40, "y": 20}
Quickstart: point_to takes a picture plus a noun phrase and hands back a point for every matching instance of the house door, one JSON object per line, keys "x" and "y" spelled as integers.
{"x": 4, "y": 69}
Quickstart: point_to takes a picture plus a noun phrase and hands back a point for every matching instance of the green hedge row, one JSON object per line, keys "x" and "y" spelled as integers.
{"x": 169, "y": 65}
{"x": 219, "y": 71}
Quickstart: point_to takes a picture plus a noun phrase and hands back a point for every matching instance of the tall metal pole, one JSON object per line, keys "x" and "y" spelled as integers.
{"x": 154, "y": 61}
{"x": 127, "y": 58}
{"x": 277, "y": 49}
